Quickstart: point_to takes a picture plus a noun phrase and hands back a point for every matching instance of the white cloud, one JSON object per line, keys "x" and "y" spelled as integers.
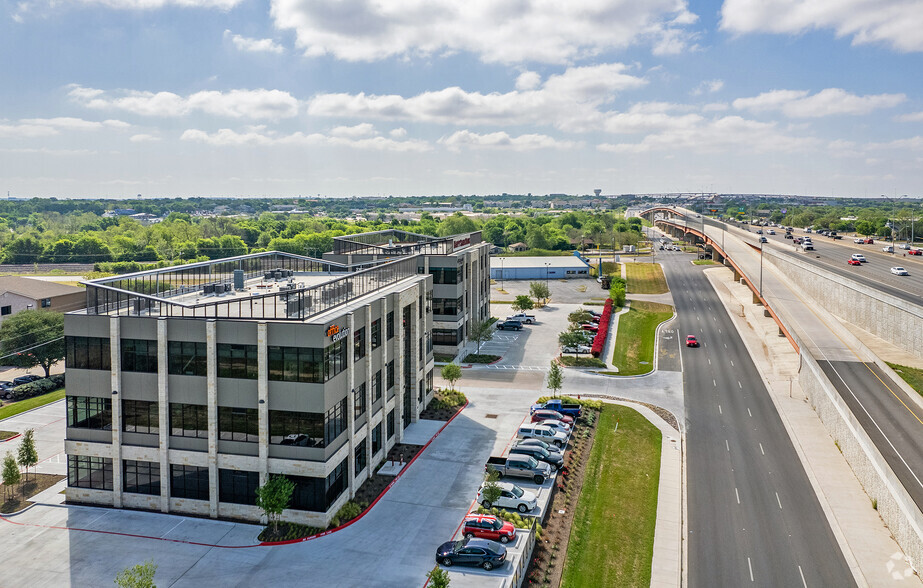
{"x": 501, "y": 140}
{"x": 41, "y": 7}
{"x": 831, "y": 101}
{"x": 143, "y": 138}
{"x": 911, "y": 143}
{"x": 360, "y": 130}
{"x": 253, "y": 45}
{"x": 708, "y": 87}
{"x": 255, "y": 104}
{"x": 715, "y": 107}
{"x": 231, "y": 138}
{"x": 498, "y": 32}
{"x": 46, "y": 127}
{"x": 528, "y": 80}
{"x": 716, "y": 135}
{"x": 910, "y": 117}
{"x": 398, "y": 133}
{"x": 650, "y": 116}
{"x": 893, "y": 22}
{"x": 568, "y": 101}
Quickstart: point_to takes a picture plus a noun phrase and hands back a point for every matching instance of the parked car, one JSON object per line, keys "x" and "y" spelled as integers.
{"x": 488, "y": 527}
{"x": 915, "y": 252}
{"x": 576, "y": 349}
{"x": 691, "y": 341}
{"x": 472, "y": 552}
{"x": 510, "y": 326}
{"x": 557, "y": 425}
{"x": 511, "y": 496}
{"x": 899, "y": 271}
{"x": 522, "y": 317}
{"x": 853, "y": 261}
{"x": 572, "y": 410}
{"x": 520, "y": 466}
{"x": 859, "y": 257}
{"x": 587, "y": 327}
{"x": 539, "y": 443}
{"x": 888, "y": 249}
{"x": 6, "y": 390}
{"x": 546, "y": 414}
{"x": 27, "y": 379}
{"x": 593, "y": 312}
{"x": 555, "y": 460}
{"x": 542, "y": 432}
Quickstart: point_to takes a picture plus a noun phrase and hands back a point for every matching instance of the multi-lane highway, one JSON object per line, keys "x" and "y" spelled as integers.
{"x": 753, "y": 516}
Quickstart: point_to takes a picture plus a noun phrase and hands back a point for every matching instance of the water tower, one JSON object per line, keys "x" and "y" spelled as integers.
{"x": 597, "y": 191}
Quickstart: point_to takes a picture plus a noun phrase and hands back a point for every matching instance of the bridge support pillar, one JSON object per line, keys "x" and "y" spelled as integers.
{"x": 781, "y": 332}
{"x": 766, "y": 312}
{"x": 756, "y": 299}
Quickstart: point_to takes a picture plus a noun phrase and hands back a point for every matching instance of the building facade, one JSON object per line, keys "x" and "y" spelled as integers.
{"x": 189, "y": 386}
{"x": 18, "y": 294}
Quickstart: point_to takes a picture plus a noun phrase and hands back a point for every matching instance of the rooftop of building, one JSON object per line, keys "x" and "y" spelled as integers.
{"x": 563, "y": 261}
{"x": 35, "y": 289}
{"x": 394, "y": 242}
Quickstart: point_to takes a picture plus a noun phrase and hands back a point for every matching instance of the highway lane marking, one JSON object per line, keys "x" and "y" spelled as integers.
{"x": 892, "y": 392}
{"x": 719, "y": 409}
{"x": 714, "y": 383}
{"x": 737, "y": 494}
{"x": 709, "y": 362}
{"x": 727, "y": 445}
{"x": 749, "y": 413}
{"x": 750, "y": 565}
{"x": 725, "y": 345}
{"x": 761, "y": 449}
{"x": 802, "y": 577}
{"x": 779, "y": 501}
{"x": 732, "y": 364}
{"x": 739, "y": 385}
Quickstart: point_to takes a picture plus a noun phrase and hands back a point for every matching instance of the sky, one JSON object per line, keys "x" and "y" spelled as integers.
{"x": 288, "y": 98}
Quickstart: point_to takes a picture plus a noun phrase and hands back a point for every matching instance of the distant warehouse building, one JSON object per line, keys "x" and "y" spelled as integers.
{"x": 17, "y": 294}
{"x": 539, "y": 268}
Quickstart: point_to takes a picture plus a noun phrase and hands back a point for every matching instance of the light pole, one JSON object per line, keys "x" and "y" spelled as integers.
{"x": 761, "y": 267}
{"x": 546, "y": 274}
{"x": 501, "y": 273}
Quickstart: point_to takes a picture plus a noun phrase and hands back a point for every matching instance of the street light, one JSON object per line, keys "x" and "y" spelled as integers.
{"x": 501, "y": 273}
{"x": 761, "y": 267}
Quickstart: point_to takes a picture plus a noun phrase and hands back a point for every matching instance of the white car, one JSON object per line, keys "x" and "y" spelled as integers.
{"x": 556, "y": 425}
{"x": 899, "y": 271}
{"x": 772, "y": 232}
{"x": 511, "y": 496}
{"x": 888, "y": 249}
{"x": 577, "y": 349}
{"x": 859, "y": 257}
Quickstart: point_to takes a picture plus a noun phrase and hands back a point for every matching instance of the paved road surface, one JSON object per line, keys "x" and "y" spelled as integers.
{"x": 753, "y": 516}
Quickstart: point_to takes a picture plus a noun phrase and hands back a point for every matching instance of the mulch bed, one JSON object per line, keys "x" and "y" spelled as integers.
{"x": 440, "y": 414}
{"x": 35, "y": 484}
{"x": 4, "y": 435}
{"x": 548, "y": 558}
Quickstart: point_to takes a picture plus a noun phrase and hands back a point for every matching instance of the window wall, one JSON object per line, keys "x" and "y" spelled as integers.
{"x": 186, "y": 358}
{"x": 318, "y": 494}
{"x": 87, "y": 353}
{"x": 139, "y": 416}
{"x": 302, "y": 429}
{"x": 296, "y": 364}
{"x": 189, "y": 420}
{"x": 335, "y": 421}
{"x": 189, "y": 482}
{"x": 238, "y": 486}
{"x": 238, "y": 424}
{"x": 84, "y": 412}
{"x": 141, "y": 477}
{"x": 237, "y": 361}
{"x": 84, "y": 471}
{"x": 335, "y": 359}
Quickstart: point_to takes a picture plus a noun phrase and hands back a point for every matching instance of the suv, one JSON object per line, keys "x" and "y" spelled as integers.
{"x": 489, "y": 527}
{"x": 511, "y": 325}
{"x": 859, "y": 257}
{"x": 543, "y": 433}
{"x": 27, "y": 379}
{"x": 555, "y": 460}
{"x": 511, "y": 496}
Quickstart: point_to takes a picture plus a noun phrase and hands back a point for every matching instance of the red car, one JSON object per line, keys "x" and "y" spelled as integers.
{"x": 853, "y": 262}
{"x": 915, "y": 252}
{"x": 544, "y": 415}
{"x": 590, "y": 328}
{"x": 489, "y": 527}
{"x": 691, "y": 341}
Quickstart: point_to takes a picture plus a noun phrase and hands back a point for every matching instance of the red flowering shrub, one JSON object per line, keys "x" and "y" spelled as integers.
{"x": 600, "y": 340}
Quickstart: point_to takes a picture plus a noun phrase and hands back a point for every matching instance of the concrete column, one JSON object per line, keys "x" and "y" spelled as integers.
{"x": 399, "y": 372}
{"x": 115, "y": 354}
{"x": 350, "y": 403}
{"x": 163, "y": 414}
{"x": 415, "y": 334}
{"x": 262, "y": 391}
{"x": 368, "y": 385}
{"x": 211, "y": 383}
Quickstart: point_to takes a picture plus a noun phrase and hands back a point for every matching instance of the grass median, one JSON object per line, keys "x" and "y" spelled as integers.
{"x": 913, "y": 376}
{"x": 612, "y": 538}
{"x": 30, "y": 403}
{"x": 634, "y": 341}
{"x": 645, "y": 278}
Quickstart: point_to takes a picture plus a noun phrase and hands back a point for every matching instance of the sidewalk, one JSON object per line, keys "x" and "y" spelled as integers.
{"x": 873, "y": 555}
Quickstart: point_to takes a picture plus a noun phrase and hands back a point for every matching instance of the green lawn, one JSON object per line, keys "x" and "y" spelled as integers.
{"x": 645, "y": 278}
{"x": 30, "y": 403}
{"x": 612, "y": 540}
{"x": 913, "y": 376}
{"x": 634, "y": 341}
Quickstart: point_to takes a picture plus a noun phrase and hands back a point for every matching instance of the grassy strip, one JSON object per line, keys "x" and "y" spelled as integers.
{"x": 913, "y": 376}
{"x": 645, "y": 278}
{"x": 30, "y": 403}
{"x": 585, "y": 361}
{"x": 705, "y": 262}
{"x": 634, "y": 342}
{"x": 612, "y": 540}
{"x": 502, "y": 301}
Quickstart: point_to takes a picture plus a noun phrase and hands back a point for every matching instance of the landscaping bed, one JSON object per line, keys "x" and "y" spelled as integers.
{"x": 480, "y": 358}
{"x": 634, "y": 343}
{"x": 444, "y": 405}
{"x": 443, "y": 358}
{"x": 571, "y": 361}
{"x": 35, "y": 484}
{"x": 4, "y": 435}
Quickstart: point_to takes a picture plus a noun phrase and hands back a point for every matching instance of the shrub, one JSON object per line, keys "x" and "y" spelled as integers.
{"x": 447, "y": 399}
{"x": 584, "y": 402}
{"x": 600, "y": 340}
{"x": 347, "y": 512}
{"x": 38, "y": 387}
{"x": 511, "y": 516}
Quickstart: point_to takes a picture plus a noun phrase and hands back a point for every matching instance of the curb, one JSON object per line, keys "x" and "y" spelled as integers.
{"x": 16, "y": 436}
{"x": 374, "y": 502}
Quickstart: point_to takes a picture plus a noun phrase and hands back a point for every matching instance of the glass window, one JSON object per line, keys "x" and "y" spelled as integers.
{"x": 335, "y": 359}
{"x": 84, "y": 412}
{"x": 238, "y": 424}
{"x": 390, "y": 325}
{"x": 391, "y": 423}
{"x": 376, "y": 439}
{"x": 189, "y": 420}
{"x": 336, "y": 483}
{"x": 87, "y": 353}
{"x": 302, "y": 429}
{"x": 447, "y": 336}
{"x": 139, "y": 355}
{"x": 376, "y": 333}
{"x": 362, "y": 455}
{"x": 359, "y": 344}
{"x": 5, "y": 310}
{"x": 237, "y": 361}
{"x": 84, "y": 471}
{"x": 376, "y": 386}
{"x": 238, "y": 486}
{"x": 317, "y": 494}
{"x": 141, "y": 477}
{"x": 335, "y": 422}
{"x": 46, "y": 302}
{"x": 189, "y": 482}
{"x": 390, "y": 374}
{"x": 186, "y": 358}
{"x": 139, "y": 416}
{"x": 359, "y": 400}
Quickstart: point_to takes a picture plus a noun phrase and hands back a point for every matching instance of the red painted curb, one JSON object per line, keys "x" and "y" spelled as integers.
{"x": 374, "y": 502}
{"x": 11, "y": 438}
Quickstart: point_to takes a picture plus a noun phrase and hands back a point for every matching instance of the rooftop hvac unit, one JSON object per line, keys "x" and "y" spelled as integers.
{"x": 209, "y": 289}
{"x": 238, "y": 279}
{"x": 227, "y": 287}
{"x": 277, "y": 274}
{"x": 268, "y": 276}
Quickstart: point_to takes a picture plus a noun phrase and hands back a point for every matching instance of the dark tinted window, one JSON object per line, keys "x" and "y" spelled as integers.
{"x": 237, "y": 361}
{"x": 238, "y": 486}
{"x": 85, "y": 412}
{"x": 84, "y": 471}
{"x": 139, "y": 416}
{"x": 139, "y": 355}
{"x": 141, "y": 477}
{"x": 189, "y": 420}
{"x": 186, "y": 358}
{"x": 188, "y": 482}
{"x": 238, "y": 424}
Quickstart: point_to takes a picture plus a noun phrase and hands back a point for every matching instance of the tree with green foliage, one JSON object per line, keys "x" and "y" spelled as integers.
{"x": 451, "y": 373}
{"x": 438, "y": 578}
{"x": 555, "y": 378}
{"x": 579, "y": 317}
{"x": 137, "y": 576}
{"x": 480, "y": 332}
{"x": 11, "y": 474}
{"x": 571, "y": 339}
{"x": 492, "y": 490}
{"x": 27, "y": 455}
{"x": 617, "y": 292}
{"x": 540, "y": 291}
{"x": 865, "y": 227}
{"x": 32, "y": 338}
{"x": 522, "y": 302}
{"x": 273, "y": 497}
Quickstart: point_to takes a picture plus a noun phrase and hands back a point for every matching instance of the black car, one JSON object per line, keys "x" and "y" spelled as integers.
{"x": 511, "y": 325}
{"x": 555, "y": 460}
{"x": 27, "y": 379}
{"x": 473, "y": 552}
{"x": 6, "y": 390}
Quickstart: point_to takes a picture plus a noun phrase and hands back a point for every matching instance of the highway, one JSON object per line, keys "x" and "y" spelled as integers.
{"x": 754, "y": 519}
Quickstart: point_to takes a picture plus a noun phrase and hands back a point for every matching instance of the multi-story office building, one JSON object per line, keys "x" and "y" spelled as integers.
{"x": 188, "y": 386}
{"x": 459, "y": 265}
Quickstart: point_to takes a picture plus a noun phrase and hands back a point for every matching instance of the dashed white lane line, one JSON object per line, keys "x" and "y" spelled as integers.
{"x": 800, "y": 571}
{"x": 714, "y": 383}
{"x": 761, "y": 449}
{"x": 739, "y": 385}
{"x": 749, "y": 413}
{"x": 719, "y": 410}
{"x": 727, "y": 445}
{"x": 737, "y": 494}
{"x": 750, "y": 565}
{"x": 779, "y": 501}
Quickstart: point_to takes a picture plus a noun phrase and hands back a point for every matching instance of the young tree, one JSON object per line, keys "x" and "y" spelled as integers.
{"x": 27, "y": 455}
{"x": 555, "y": 378}
{"x": 273, "y": 497}
{"x": 571, "y": 339}
{"x": 522, "y": 302}
{"x": 492, "y": 489}
{"x": 40, "y": 333}
{"x": 579, "y": 317}
{"x": 137, "y": 576}
{"x": 438, "y": 578}
{"x": 539, "y": 291}
{"x": 11, "y": 475}
{"x": 480, "y": 332}
{"x": 451, "y": 373}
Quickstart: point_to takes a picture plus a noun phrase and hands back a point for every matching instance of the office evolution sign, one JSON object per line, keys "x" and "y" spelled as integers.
{"x": 336, "y": 333}
{"x": 462, "y": 242}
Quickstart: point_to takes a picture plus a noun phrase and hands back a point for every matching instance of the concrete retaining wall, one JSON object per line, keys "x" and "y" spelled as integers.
{"x": 896, "y": 507}
{"x": 896, "y": 321}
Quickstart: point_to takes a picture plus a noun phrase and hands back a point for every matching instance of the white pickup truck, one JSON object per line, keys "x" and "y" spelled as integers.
{"x": 522, "y": 317}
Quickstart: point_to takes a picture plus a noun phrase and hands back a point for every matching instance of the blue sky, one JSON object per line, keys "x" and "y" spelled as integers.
{"x": 356, "y": 97}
